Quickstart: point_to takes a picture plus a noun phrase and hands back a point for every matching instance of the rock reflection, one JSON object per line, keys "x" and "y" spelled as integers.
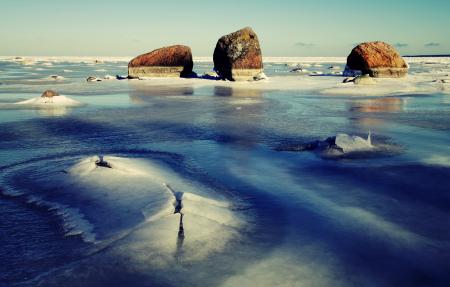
{"x": 222, "y": 91}
{"x": 378, "y": 105}
{"x": 141, "y": 94}
{"x": 239, "y": 114}
{"x": 374, "y": 106}
{"x": 53, "y": 111}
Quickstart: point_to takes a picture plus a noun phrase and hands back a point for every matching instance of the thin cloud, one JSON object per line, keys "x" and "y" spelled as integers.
{"x": 401, "y": 45}
{"x": 304, "y": 44}
{"x": 432, "y": 44}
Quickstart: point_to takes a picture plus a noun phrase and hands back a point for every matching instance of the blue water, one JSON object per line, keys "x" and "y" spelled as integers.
{"x": 373, "y": 219}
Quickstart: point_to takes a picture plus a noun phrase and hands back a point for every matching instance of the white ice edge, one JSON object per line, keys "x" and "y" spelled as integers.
{"x": 321, "y": 85}
{"x": 74, "y": 222}
{"x": 57, "y": 101}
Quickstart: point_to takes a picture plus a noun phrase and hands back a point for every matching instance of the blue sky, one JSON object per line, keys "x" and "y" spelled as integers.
{"x": 285, "y": 28}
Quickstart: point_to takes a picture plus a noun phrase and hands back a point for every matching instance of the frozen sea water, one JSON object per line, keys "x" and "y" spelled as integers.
{"x": 258, "y": 209}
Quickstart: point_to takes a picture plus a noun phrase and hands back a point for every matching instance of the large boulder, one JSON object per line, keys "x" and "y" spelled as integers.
{"x": 378, "y": 59}
{"x": 237, "y": 56}
{"x": 172, "y": 61}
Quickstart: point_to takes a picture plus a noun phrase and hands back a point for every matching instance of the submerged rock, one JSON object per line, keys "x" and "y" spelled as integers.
{"x": 101, "y": 162}
{"x": 378, "y": 59}
{"x": 297, "y": 70}
{"x": 338, "y": 145}
{"x": 237, "y": 56}
{"x": 93, "y": 79}
{"x": 364, "y": 80}
{"x": 49, "y": 94}
{"x": 172, "y": 61}
{"x": 56, "y": 77}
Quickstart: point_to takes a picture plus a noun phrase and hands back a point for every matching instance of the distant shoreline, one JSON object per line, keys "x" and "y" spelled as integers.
{"x": 428, "y": 56}
{"x": 197, "y": 59}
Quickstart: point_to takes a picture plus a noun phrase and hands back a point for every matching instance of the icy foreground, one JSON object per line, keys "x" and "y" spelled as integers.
{"x": 141, "y": 206}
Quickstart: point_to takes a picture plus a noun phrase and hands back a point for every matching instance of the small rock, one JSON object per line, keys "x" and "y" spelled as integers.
{"x": 102, "y": 163}
{"x": 109, "y": 77}
{"x": 334, "y": 68}
{"x": 56, "y": 77}
{"x": 93, "y": 79}
{"x": 348, "y": 80}
{"x": 49, "y": 94}
{"x": 118, "y": 77}
{"x": 442, "y": 81}
{"x": 296, "y": 70}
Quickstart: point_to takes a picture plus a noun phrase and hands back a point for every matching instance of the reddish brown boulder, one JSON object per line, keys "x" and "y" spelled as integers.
{"x": 378, "y": 59}
{"x": 237, "y": 56}
{"x": 172, "y": 61}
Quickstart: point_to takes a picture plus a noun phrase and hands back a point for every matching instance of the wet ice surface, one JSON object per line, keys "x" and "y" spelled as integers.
{"x": 258, "y": 209}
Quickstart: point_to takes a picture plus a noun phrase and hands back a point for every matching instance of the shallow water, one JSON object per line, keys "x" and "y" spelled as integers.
{"x": 376, "y": 218}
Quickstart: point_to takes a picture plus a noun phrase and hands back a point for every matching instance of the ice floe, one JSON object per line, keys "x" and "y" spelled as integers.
{"x": 339, "y": 145}
{"x": 48, "y": 102}
{"x": 140, "y": 206}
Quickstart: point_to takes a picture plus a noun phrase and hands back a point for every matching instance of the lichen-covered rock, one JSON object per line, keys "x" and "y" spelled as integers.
{"x": 49, "y": 94}
{"x": 378, "y": 59}
{"x": 237, "y": 56}
{"x": 172, "y": 61}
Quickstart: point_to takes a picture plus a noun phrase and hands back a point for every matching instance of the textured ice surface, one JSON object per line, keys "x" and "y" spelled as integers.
{"x": 353, "y": 143}
{"x": 109, "y": 199}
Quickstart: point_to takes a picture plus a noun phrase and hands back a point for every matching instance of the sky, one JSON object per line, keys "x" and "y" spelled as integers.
{"x": 284, "y": 28}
